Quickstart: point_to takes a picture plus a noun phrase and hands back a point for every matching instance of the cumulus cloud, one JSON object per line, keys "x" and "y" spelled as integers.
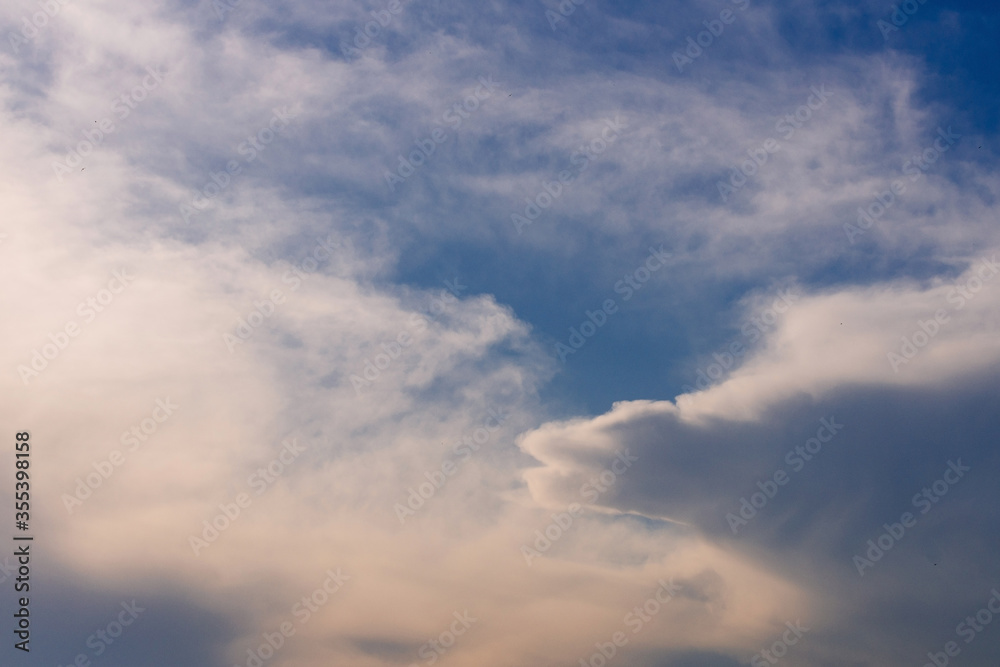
{"x": 850, "y": 414}
{"x": 267, "y": 390}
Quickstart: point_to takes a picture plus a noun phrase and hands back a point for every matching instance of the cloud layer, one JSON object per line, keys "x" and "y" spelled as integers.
{"x": 286, "y": 286}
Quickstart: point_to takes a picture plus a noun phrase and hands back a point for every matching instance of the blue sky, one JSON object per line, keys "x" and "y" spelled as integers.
{"x": 527, "y": 312}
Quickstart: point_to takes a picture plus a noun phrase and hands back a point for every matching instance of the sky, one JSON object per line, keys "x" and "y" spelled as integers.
{"x": 513, "y": 333}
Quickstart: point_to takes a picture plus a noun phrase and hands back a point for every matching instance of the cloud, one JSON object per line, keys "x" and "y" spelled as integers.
{"x": 795, "y": 470}
{"x": 303, "y": 307}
